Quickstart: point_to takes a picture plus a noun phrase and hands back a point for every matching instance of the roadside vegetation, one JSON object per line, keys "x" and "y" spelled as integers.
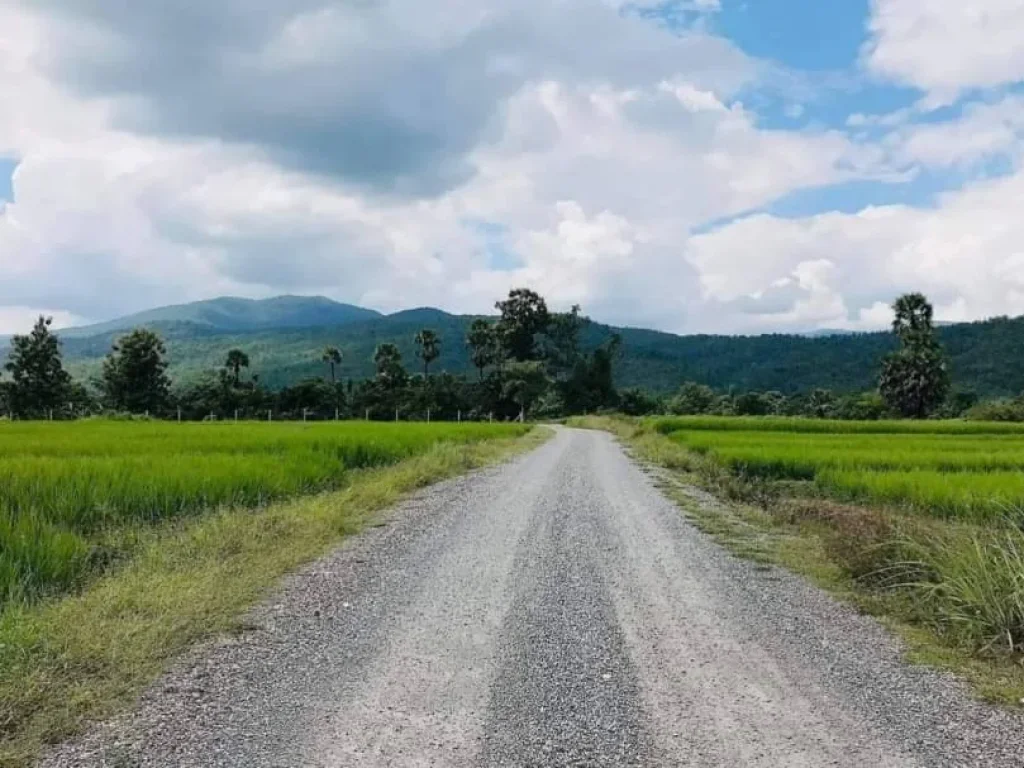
{"x": 920, "y": 525}
{"x": 187, "y": 527}
{"x": 73, "y": 496}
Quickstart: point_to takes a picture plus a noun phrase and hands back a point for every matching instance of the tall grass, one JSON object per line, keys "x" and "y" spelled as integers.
{"x": 66, "y": 490}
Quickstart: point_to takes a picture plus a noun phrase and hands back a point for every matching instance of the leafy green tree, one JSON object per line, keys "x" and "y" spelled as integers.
{"x": 636, "y": 402}
{"x": 428, "y": 348}
{"x": 524, "y": 315}
{"x": 135, "y": 373}
{"x": 821, "y": 404}
{"x": 561, "y": 341}
{"x": 691, "y": 399}
{"x": 331, "y": 356}
{"x": 914, "y": 379}
{"x": 39, "y": 383}
{"x": 482, "y": 341}
{"x": 235, "y": 362}
{"x": 752, "y": 404}
{"x": 524, "y": 382}
{"x": 388, "y": 362}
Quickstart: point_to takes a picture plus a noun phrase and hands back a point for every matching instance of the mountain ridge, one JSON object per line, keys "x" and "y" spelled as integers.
{"x": 985, "y": 355}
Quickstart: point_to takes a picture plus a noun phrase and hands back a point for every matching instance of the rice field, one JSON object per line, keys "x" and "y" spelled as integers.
{"x": 965, "y": 470}
{"x": 68, "y": 490}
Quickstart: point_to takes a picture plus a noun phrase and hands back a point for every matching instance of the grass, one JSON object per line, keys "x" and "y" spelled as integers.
{"x": 668, "y": 424}
{"x": 72, "y": 495}
{"x": 969, "y": 475}
{"x": 66, "y": 661}
{"x": 950, "y": 582}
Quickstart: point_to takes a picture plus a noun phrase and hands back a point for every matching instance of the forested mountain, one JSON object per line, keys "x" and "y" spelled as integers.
{"x": 285, "y": 337}
{"x": 235, "y": 314}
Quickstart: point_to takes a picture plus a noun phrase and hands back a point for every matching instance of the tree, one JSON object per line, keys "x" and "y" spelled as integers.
{"x": 912, "y": 316}
{"x": 524, "y": 315}
{"x": 482, "y": 341}
{"x": 235, "y": 362}
{"x": 39, "y": 382}
{"x": 428, "y": 348}
{"x": 821, "y": 403}
{"x": 914, "y": 379}
{"x": 388, "y": 362}
{"x": 331, "y": 356}
{"x": 692, "y": 399}
{"x": 135, "y": 373}
{"x": 524, "y": 382}
{"x": 636, "y": 402}
{"x": 561, "y": 349}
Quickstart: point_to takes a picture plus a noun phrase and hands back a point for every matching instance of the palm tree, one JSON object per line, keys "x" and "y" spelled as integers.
{"x": 429, "y": 344}
{"x": 483, "y": 344}
{"x": 912, "y": 315}
{"x": 236, "y": 361}
{"x": 331, "y": 356}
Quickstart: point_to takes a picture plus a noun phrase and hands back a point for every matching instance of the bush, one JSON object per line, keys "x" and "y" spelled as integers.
{"x": 998, "y": 410}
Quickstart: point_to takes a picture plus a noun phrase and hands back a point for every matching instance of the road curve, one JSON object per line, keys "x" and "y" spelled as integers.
{"x": 553, "y": 611}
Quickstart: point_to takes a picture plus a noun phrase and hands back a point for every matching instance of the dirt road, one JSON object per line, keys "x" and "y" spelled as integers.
{"x": 554, "y": 611}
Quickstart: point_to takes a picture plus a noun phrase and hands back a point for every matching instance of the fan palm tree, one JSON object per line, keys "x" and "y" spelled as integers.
{"x": 331, "y": 356}
{"x": 429, "y": 344}
{"x": 235, "y": 362}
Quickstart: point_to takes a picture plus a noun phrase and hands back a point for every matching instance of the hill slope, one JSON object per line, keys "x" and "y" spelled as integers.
{"x": 228, "y": 314}
{"x": 986, "y": 356}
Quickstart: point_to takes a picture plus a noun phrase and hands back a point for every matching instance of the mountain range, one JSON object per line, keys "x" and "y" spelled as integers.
{"x": 284, "y": 338}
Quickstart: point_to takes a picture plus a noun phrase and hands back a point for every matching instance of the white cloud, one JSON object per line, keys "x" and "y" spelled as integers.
{"x": 947, "y": 46}
{"x": 984, "y": 131}
{"x": 183, "y": 151}
{"x": 20, "y": 319}
{"x": 599, "y": 153}
{"x": 966, "y": 254}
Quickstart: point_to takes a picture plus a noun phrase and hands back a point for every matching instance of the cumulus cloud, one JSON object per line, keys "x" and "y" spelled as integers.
{"x": 390, "y": 95}
{"x": 380, "y": 153}
{"x": 945, "y": 47}
{"x": 965, "y": 253}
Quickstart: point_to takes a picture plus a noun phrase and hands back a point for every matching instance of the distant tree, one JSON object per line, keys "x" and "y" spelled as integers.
{"x": 864, "y": 406}
{"x": 388, "y": 362}
{"x": 482, "y": 341}
{"x": 752, "y": 404}
{"x": 524, "y": 315}
{"x": 561, "y": 341}
{"x": 39, "y": 382}
{"x": 821, "y": 404}
{"x": 524, "y": 382}
{"x": 428, "y": 348}
{"x": 135, "y": 373}
{"x": 331, "y": 356}
{"x": 692, "y": 399}
{"x": 914, "y": 379}
{"x": 636, "y": 402}
{"x": 235, "y": 362}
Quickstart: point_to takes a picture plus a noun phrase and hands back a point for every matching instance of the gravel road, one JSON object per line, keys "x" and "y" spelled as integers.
{"x": 553, "y": 611}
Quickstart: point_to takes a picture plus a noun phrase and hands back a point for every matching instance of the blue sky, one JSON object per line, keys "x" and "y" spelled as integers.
{"x": 7, "y": 166}
{"x": 727, "y": 166}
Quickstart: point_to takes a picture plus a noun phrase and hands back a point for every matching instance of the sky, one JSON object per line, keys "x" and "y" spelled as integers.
{"x": 722, "y": 166}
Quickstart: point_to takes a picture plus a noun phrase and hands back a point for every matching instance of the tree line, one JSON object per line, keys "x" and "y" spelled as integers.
{"x": 528, "y": 363}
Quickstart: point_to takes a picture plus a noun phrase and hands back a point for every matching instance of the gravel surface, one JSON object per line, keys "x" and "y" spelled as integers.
{"x": 554, "y": 611}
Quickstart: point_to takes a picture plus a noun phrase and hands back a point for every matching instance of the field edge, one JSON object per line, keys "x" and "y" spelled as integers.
{"x": 85, "y": 658}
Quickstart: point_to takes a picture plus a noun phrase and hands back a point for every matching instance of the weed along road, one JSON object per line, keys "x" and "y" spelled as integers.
{"x": 553, "y": 611}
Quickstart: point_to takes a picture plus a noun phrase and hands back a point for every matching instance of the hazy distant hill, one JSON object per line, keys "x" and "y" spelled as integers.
{"x": 233, "y": 314}
{"x": 284, "y": 338}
